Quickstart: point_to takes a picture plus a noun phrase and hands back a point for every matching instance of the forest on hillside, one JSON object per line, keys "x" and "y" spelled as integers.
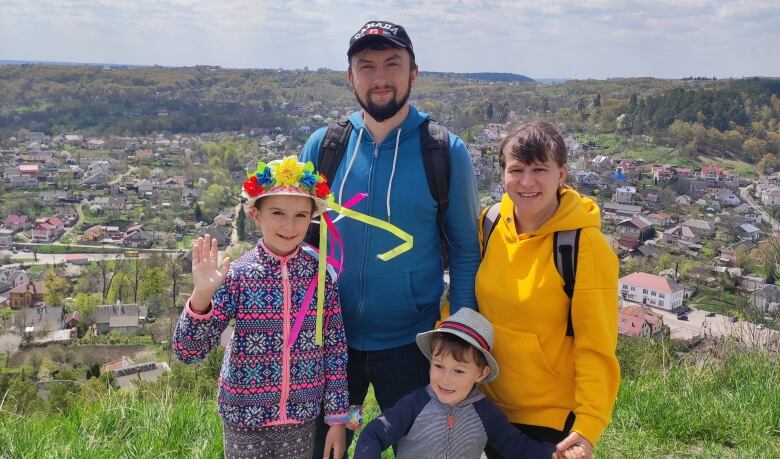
{"x": 737, "y": 119}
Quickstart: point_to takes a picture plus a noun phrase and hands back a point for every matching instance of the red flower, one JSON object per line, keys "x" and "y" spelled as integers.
{"x": 252, "y": 188}
{"x": 322, "y": 190}
{"x": 323, "y": 179}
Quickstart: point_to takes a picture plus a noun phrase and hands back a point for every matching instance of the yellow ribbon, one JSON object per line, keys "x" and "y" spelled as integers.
{"x": 321, "y": 273}
{"x": 389, "y": 227}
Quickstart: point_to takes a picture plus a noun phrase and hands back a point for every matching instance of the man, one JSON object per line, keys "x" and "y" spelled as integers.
{"x": 385, "y": 304}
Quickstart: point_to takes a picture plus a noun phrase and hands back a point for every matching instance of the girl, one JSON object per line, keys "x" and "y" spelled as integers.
{"x": 274, "y": 375}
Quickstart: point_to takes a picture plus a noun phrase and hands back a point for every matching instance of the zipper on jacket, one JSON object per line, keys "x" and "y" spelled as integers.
{"x": 286, "y": 307}
{"x": 364, "y": 287}
{"x": 450, "y": 428}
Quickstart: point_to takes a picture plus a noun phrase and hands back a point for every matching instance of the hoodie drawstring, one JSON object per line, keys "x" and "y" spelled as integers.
{"x": 392, "y": 172}
{"x": 349, "y": 166}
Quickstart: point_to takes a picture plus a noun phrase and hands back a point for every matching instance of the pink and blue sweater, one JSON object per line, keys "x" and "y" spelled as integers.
{"x": 266, "y": 380}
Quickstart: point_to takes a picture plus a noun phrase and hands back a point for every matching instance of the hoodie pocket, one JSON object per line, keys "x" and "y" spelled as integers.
{"x": 390, "y": 301}
{"x": 526, "y": 378}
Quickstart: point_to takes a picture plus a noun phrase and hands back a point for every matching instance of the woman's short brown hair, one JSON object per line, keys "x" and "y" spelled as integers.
{"x": 533, "y": 142}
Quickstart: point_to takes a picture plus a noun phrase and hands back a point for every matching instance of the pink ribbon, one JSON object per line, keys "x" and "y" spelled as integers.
{"x": 337, "y": 239}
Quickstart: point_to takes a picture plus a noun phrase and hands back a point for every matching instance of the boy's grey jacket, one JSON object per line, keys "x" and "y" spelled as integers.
{"x": 385, "y": 304}
{"x": 425, "y": 428}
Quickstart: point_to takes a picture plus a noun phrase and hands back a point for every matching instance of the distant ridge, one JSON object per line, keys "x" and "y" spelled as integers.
{"x": 77, "y": 64}
{"x": 484, "y": 76}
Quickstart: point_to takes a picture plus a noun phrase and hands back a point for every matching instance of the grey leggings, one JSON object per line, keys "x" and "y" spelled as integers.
{"x": 289, "y": 441}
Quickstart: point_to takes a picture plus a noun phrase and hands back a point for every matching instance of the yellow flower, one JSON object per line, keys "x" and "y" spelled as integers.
{"x": 287, "y": 171}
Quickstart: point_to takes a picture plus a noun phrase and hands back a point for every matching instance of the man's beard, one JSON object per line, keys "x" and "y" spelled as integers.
{"x": 383, "y": 112}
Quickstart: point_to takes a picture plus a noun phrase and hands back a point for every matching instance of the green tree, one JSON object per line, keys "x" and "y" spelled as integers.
{"x": 240, "y": 222}
{"x": 85, "y": 302}
{"x": 153, "y": 283}
{"x": 22, "y": 397}
{"x": 56, "y": 288}
{"x": 198, "y": 213}
{"x": 767, "y": 164}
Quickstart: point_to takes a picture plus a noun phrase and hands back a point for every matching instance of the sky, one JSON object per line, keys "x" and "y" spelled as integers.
{"x": 541, "y": 39}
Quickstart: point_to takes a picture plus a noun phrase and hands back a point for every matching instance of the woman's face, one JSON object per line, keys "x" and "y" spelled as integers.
{"x": 533, "y": 188}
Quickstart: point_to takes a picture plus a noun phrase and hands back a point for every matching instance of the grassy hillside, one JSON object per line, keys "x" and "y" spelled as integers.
{"x": 715, "y": 402}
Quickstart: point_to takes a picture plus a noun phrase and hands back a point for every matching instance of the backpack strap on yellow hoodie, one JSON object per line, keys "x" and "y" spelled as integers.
{"x": 566, "y": 243}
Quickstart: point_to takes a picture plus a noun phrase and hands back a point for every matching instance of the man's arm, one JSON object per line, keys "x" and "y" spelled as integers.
{"x": 460, "y": 227}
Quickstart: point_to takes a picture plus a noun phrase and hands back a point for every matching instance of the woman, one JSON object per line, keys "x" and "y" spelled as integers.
{"x": 553, "y": 386}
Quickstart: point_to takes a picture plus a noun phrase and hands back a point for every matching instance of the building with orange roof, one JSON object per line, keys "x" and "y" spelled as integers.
{"x": 640, "y": 322}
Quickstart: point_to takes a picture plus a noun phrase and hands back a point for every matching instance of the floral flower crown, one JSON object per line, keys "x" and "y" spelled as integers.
{"x": 286, "y": 176}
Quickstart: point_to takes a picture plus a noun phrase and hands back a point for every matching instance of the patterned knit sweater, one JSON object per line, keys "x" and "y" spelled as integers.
{"x": 266, "y": 380}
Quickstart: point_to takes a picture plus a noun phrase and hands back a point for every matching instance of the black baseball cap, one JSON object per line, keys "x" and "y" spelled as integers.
{"x": 381, "y": 30}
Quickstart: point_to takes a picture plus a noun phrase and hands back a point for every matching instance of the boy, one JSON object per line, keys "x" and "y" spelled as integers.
{"x": 450, "y": 417}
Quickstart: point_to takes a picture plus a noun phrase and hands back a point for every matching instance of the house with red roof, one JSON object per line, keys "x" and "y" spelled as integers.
{"x": 28, "y": 170}
{"x": 634, "y": 231}
{"x": 47, "y": 229}
{"x": 651, "y": 290}
{"x": 640, "y": 322}
{"x": 712, "y": 173}
{"x": 17, "y": 223}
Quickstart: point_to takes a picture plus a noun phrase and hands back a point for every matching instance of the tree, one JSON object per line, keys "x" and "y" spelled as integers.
{"x": 174, "y": 271}
{"x": 108, "y": 275}
{"x": 767, "y": 164}
{"x": 240, "y": 222}
{"x": 135, "y": 278}
{"x": 56, "y": 288}
{"x": 198, "y": 213}
{"x": 153, "y": 283}
{"x": 85, "y": 302}
{"x": 22, "y": 396}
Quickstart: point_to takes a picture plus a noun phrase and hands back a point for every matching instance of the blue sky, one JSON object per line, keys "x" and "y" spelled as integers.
{"x": 554, "y": 38}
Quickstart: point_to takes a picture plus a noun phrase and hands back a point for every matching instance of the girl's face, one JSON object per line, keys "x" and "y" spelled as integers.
{"x": 283, "y": 220}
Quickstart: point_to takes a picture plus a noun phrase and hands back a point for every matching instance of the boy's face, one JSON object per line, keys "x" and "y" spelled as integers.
{"x": 283, "y": 221}
{"x": 451, "y": 380}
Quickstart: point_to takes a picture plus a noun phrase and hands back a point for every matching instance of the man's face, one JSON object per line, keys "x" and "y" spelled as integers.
{"x": 382, "y": 80}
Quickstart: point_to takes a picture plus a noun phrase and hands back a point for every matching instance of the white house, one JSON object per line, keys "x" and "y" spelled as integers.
{"x": 652, "y": 290}
{"x": 771, "y": 197}
{"x": 624, "y": 195}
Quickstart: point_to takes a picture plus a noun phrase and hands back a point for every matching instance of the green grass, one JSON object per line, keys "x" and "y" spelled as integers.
{"x": 709, "y": 404}
{"x": 134, "y": 424}
{"x": 713, "y": 402}
{"x": 714, "y": 299}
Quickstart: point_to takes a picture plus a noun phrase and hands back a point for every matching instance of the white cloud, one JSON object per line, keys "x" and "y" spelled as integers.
{"x": 595, "y": 38}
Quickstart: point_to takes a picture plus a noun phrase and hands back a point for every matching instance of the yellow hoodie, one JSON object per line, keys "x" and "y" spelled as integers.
{"x": 544, "y": 373}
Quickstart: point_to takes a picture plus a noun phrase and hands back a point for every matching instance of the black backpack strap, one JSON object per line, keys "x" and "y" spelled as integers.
{"x": 565, "y": 256}
{"x": 331, "y": 152}
{"x": 489, "y": 221}
{"x": 435, "y": 144}
{"x": 333, "y": 147}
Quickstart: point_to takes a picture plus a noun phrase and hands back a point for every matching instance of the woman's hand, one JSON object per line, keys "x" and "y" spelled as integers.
{"x": 206, "y": 272}
{"x": 335, "y": 441}
{"x": 574, "y": 446}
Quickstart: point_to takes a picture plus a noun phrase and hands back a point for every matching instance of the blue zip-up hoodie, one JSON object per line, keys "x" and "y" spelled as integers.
{"x": 385, "y": 304}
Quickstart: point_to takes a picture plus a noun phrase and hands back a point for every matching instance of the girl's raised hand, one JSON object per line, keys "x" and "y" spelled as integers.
{"x": 207, "y": 274}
